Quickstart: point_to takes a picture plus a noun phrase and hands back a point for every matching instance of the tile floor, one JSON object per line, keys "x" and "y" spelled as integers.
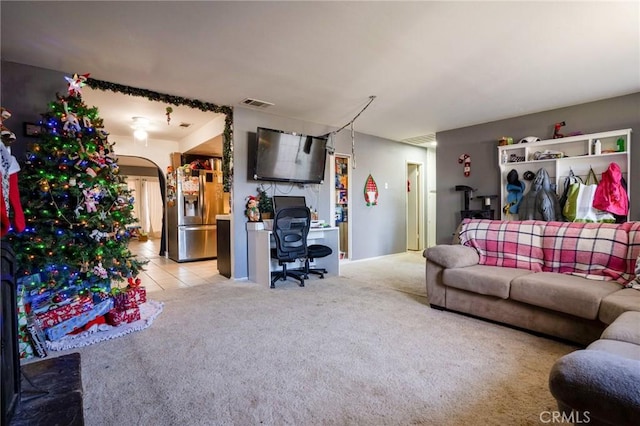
{"x": 163, "y": 273}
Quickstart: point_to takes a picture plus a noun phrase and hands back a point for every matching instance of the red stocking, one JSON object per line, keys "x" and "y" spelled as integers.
{"x": 14, "y": 200}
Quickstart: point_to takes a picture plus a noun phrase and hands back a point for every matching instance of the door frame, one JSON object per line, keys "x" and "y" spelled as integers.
{"x": 419, "y": 191}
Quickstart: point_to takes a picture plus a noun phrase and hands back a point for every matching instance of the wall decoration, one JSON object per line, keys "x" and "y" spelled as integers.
{"x": 466, "y": 160}
{"x": 371, "y": 192}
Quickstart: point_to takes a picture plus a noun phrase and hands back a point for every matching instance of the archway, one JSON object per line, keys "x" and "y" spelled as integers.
{"x": 227, "y": 152}
{"x": 146, "y": 209}
{"x": 165, "y": 102}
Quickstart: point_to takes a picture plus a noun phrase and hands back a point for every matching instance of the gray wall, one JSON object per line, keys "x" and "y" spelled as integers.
{"x": 480, "y": 143}
{"x": 26, "y": 93}
{"x": 376, "y": 231}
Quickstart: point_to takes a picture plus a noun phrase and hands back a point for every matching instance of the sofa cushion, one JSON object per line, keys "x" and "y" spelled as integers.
{"x": 482, "y": 279}
{"x": 511, "y": 244}
{"x": 626, "y": 328}
{"x": 596, "y": 251}
{"x": 616, "y": 347}
{"x": 452, "y": 256}
{"x": 618, "y": 302}
{"x": 604, "y": 385}
{"x": 563, "y": 293}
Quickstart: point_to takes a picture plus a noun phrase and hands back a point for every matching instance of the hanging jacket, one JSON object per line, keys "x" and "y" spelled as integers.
{"x": 610, "y": 195}
{"x": 541, "y": 202}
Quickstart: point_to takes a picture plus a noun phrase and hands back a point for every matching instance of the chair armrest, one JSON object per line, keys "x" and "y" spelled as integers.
{"x": 605, "y": 386}
{"x": 452, "y": 255}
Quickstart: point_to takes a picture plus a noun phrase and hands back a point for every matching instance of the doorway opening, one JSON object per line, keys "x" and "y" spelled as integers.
{"x": 415, "y": 207}
{"x": 147, "y": 182}
{"x": 341, "y": 211}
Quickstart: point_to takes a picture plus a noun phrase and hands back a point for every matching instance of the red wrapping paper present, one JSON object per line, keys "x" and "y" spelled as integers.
{"x": 62, "y": 313}
{"x": 117, "y": 316}
{"x": 130, "y": 298}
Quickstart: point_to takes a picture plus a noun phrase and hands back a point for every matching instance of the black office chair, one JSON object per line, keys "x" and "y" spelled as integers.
{"x": 290, "y": 230}
{"x": 315, "y": 251}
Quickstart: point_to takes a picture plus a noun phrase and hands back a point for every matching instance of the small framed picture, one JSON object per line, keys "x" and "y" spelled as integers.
{"x": 32, "y": 129}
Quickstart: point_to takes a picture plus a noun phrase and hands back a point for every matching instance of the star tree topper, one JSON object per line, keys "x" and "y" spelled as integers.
{"x": 76, "y": 83}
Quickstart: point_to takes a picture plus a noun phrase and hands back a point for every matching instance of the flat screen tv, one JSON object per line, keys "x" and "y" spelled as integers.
{"x": 289, "y": 157}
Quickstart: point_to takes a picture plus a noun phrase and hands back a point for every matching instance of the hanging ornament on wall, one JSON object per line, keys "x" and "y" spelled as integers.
{"x": 466, "y": 160}
{"x": 371, "y": 192}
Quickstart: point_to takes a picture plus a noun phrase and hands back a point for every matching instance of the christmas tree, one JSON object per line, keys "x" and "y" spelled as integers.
{"x": 76, "y": 204}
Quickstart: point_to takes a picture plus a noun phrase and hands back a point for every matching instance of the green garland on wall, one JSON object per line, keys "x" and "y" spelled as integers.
{"x": 227, "y": 143}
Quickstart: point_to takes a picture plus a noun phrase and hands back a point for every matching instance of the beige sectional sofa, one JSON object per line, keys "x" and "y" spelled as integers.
{"x": 600, "y": 385}
{"x": 565, "y": 280}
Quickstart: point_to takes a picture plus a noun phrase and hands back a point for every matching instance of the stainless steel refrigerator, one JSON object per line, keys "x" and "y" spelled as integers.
{"x": 192, "y": 211}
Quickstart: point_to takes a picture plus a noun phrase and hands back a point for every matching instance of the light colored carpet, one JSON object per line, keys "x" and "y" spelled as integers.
{"x": 360, "y": 349}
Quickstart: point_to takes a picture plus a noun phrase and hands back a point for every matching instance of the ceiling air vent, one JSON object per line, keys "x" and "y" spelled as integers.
{"x": 185, "y": 125}
{"x": 425, "y": 141}
{"x": 256, "y": 103}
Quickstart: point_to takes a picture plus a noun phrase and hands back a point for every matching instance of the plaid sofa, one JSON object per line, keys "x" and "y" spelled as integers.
{"x": 568, "y": 280}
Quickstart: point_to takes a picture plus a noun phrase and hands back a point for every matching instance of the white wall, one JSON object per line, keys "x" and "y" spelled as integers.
{"x": 158, "y": 150}
{"x": 210, "y": 130}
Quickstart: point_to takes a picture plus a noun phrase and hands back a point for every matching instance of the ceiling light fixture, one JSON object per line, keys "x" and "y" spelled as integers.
{"x": 140, "y": 126}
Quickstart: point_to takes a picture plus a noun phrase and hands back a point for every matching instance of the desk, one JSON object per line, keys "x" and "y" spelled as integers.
{"x": 259, "y": 244}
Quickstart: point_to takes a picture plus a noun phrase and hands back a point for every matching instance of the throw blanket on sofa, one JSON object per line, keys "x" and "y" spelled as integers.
{"x": 599, "y": 251}
{"x": 511, "y": 244}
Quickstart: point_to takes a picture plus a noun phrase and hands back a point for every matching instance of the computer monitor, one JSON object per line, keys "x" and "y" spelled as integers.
{"x": 284, "y": 201}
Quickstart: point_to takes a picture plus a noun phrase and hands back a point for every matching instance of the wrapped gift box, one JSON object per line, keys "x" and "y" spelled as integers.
{"x": 24, "y": 341}
{"x": 130, "y": 298}
{"x": 118, "y": 316}
{"x": 57, "y": 314}
{"x": 58, "y": 331}
{"x": 37, "y": 337}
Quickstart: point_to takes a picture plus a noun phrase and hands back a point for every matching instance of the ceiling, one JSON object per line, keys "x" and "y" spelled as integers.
{"x": 433, "y": 66}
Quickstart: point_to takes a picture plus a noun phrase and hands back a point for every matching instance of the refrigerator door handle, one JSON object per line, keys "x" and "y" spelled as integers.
{"x": 201, "y": 199}
{"x": 197, "y": 227}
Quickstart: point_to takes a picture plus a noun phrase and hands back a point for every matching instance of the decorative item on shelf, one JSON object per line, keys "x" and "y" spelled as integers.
{"x": 529, "y": 139}
{"x": 505, "y": 140}
{"x": 515, "y": 158}
{"x": 556, "y": 130}
{"x": 265, "y": 204}
{"x": 199, "y": 164}
{"x": 620, "y": 144}
{"x": 252, "y": 212}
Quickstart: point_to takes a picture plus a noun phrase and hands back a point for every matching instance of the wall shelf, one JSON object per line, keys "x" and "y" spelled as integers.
{"x": 578, "y": 155}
